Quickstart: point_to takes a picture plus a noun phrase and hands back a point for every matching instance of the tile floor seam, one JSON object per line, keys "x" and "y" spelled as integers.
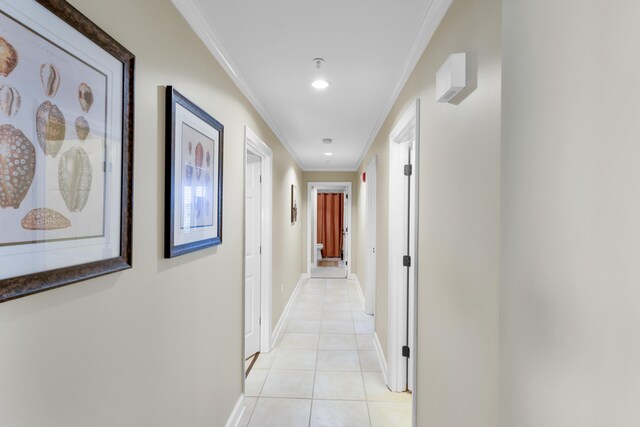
{"x": 313, "y": 387}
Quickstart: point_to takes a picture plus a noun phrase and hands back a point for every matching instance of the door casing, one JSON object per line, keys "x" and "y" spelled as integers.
{"x": 257, "y": 146}
{"x": 404, "y": 138}
{"x": 371, "y": 224}
{"x": 312, "y": 192}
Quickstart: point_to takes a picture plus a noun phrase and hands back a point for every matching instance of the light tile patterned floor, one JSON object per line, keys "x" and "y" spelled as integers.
{"x": 324, "y": 371}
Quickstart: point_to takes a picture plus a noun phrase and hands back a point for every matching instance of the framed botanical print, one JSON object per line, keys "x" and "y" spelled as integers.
{"x": 193, "y": 187}
{"x": 66, "y": 148}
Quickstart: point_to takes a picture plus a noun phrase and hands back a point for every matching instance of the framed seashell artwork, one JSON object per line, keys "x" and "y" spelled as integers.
{"x": 193, "y": 182}
{"x": 66, "y": 148}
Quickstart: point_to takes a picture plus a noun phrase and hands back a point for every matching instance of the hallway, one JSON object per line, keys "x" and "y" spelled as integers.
{"x": 324, "y": 370}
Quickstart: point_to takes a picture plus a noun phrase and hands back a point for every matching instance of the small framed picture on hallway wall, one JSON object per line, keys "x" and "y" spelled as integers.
{"x": 294, "y": 205}
{"x": 193, "y": 177}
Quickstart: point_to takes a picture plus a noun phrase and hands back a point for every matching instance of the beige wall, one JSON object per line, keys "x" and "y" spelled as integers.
{"x": 288, "y": 254}
{"x": 459, "y": 202}
{"x": 161, "y": 344}
{"x": 571, "y": 236}
{"x": 351, "y": 177}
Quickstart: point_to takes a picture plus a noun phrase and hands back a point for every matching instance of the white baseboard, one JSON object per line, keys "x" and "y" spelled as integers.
{"x": 355, "y": 277}
{"x": 381, "y": 358}
{"x": 285, "y": 314}
{"x": 236, "y": 414}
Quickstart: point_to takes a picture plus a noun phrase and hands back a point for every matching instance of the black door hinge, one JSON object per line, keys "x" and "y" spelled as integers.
{"x": 406, "y": 261}
{"x": 408, "y": 170}
{"x": 405, "y": 351}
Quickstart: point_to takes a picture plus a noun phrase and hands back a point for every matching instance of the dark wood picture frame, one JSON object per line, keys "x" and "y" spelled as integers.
{"x": 171, "y": 247}
{"x": 16, "y": 287}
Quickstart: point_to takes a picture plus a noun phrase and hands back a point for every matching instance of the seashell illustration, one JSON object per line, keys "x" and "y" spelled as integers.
{"x": 50, "y": 78}
{"x": 44, "y": 219}
{"x": 74, "y": 178}
{"x": 85, "y": 96}
{"x": 50, "y": 128}
{"x": 208, "y": 157}
{"x": 9, "y": 100}
{"x": 198, "y": 161}
{"x": 82, "y": 128}
{"x": 8, "y": 57}
{"x": 198, "y": 206}
{"x": 206, "y": 207}
{"x": 17, "y": 166}
{"x": 190, "y": 147}
{"x": 188, "y": 173}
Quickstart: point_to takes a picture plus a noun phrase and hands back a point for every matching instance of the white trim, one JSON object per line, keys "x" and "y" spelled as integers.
{"x": 354, "y": 277}
{"x": 287, "y": 309}
{"x": 381, "y": 358}
{"x": 370, "y": 216}
{"x": 257, "y": 146}
{"x": 194, "y": 16}
{"x": 404, "y": 136}
{"x": 338, "y": 186}
{"x": 236, "y": 415}
{"x": 431, "y": 22}
{"x": 330, "y": 169}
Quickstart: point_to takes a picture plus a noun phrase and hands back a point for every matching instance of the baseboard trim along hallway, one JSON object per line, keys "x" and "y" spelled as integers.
{"x": 381, "y": 358}
{"x": 354, "y": 277}
{"x": 287, "y": 309}
{"x": 237, "y": 413}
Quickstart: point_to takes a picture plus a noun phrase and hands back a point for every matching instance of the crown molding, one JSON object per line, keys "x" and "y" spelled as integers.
{"x": 344, "y": 169}
{"x": 194, "y": 16}
{"x": 429, "y": 25}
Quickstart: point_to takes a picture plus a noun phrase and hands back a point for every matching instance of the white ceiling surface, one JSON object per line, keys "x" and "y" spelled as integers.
{"x": 369, "y": 47}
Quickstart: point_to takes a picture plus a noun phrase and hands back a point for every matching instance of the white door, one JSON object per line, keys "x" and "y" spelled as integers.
{"x": 346, "y": 229}
{"x": 370, "y": 267}
{"x": 253, "y": 221}
{"x": 403, "y": 213}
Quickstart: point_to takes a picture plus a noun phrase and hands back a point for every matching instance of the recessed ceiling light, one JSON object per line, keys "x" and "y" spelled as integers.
{"x": 327, "y": 140}
{"x": 328, "y": 154}
{"x": 320, "y": 84}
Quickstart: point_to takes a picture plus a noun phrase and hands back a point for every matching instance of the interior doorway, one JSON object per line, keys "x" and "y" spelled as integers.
{"x": 253, "y": 243}
{"x": 370, "y": 271}
{"x": 403, "y": 216}
{"x": 258, "y": 247}
{"x": 328, "y": 230}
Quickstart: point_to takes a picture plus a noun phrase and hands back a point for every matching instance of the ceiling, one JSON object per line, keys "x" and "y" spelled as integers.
{"x": 267, "y": 47}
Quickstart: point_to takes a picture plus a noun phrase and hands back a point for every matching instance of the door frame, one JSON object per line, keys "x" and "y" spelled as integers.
{"x": 370, "y": 276}
{"x": 312, "y": 190}
{"x": 257, "y": 146}
{"x": 406, "y": 129}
